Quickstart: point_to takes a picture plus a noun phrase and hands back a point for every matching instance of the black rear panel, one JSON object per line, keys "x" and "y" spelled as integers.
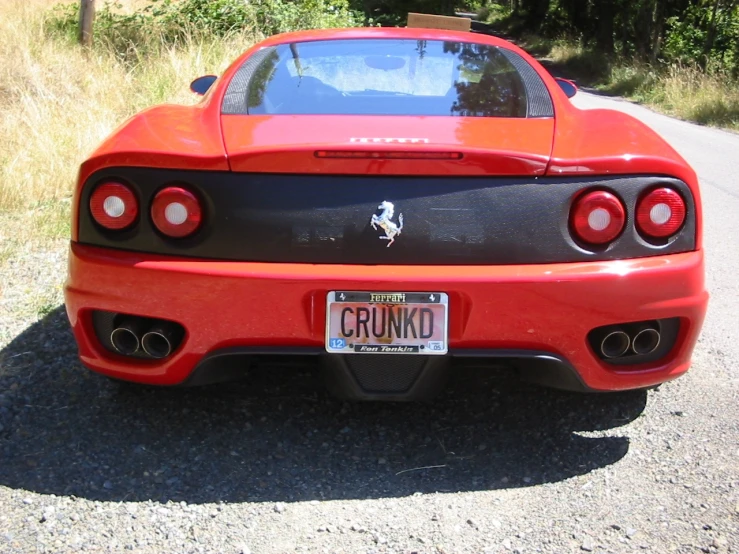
{"x": 327, "y": 218}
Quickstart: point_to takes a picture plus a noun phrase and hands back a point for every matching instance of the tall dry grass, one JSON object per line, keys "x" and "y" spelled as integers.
{"x": 57, "y": 102}
{"x": 709, "y": 98}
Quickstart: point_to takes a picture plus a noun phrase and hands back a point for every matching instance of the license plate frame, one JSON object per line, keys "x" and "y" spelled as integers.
{"x": 434, "y": 320}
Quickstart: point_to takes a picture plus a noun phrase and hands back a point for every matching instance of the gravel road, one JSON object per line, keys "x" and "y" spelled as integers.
{"x": 273, "y": 464}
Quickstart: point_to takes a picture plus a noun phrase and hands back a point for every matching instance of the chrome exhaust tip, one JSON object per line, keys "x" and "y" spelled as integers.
{"x": 646, "y": 341}
{"x": 125, "y": 338}
{"x": 615, "y": 344}
{"x": 157, "y": 342}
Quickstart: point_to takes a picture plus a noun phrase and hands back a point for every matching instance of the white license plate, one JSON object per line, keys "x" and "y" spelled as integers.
{"x": 386, "y": 322}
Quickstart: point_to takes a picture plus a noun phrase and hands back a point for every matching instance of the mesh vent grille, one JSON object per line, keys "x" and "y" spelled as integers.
{"x": 540, "y": 103}
{"x": 385, "y": 373}
{"x": 234, "y": 101}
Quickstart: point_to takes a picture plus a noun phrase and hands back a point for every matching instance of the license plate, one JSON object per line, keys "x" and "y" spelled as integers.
{"x": 386, "y": 322}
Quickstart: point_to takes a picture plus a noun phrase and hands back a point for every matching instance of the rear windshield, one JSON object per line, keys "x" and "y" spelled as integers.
{"x": 387, "y": 77}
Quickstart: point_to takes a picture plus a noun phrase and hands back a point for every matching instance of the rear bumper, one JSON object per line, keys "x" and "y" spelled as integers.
{"x": 547, "y": 308}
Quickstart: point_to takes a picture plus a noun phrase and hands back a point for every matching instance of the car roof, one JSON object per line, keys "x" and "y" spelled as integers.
{"x": 416, "y": 33}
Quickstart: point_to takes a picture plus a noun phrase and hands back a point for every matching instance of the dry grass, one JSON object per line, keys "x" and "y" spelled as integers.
{"x": 707, "y": 99}
{"x": 57, "y": 102}
{"x": 683, "y": 92}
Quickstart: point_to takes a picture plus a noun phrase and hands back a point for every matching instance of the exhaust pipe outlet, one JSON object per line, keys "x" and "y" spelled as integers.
{"x": 645, "y": 341}
{"x": 159, "y": 340}
{"x": 125, "y": 337}
{"x": 615, "y": 344}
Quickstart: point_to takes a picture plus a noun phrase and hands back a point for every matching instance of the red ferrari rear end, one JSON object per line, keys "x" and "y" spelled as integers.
{"x": 388, "y": 200}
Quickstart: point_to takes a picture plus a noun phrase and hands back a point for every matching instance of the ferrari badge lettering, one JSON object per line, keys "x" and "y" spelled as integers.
{"x": 388, "y": 297}
{"x": 384, "y": 221}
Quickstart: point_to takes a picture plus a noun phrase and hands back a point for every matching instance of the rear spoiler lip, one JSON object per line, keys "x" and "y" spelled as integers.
{"x": 461, "y": 161}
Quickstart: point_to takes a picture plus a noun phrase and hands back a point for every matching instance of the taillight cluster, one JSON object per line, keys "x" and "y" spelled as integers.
{"x": 598, "y": 217}
{"x": 114, "y": 206}
{"x": 175, "y": 211}
{"x": 660, "y": 213}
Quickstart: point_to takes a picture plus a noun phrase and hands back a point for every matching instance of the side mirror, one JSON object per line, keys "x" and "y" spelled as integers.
{"x": 569, "y": 88}
{"x": 202, "y": 84}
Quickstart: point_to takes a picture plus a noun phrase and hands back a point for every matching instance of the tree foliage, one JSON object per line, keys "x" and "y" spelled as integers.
{"x": 704, "y": 33}
{"x": 701, "y": 32}
{"x": 167, "y": 22}
{"x": 395, "y": 12}
{"x": 696, "y": 32}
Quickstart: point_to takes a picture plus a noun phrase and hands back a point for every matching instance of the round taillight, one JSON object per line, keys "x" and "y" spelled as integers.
{"x": 660, "y": 213}
{"x": 176, "y": 212}
{"x": 114, "y": 206}
{"x": 597, "y": 217}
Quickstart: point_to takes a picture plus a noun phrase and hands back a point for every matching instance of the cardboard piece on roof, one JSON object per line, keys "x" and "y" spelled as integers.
{"x": 429, "y": 21}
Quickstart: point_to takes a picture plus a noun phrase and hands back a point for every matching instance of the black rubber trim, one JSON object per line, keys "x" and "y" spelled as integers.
{"x": 343, "y": 382}
{"x": 230, "y": 364}
{"x": 326, "y": 218}
{"x": 538, "y": 367}
{"x": 533, "y": 366}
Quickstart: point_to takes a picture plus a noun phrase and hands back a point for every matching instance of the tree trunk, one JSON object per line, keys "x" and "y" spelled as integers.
{"x": 537, "y": 11}
{"x": 716, "y": 21}
{"x": 604, "y": 38}
{"x": 87, "y": 16}
{"x": 711, "y": 35}
{"x": 659, "y": 25}
{"x": 643, "y": 29}
{"x": 577, "y": 14}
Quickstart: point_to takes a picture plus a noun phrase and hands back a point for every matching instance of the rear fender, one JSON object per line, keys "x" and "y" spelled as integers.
{"x": 607, "y": 142}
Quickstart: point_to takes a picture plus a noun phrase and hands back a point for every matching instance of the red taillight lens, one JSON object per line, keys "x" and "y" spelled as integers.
{"x": 114, "y": 206}
{"x": 176, "y": 212}
{"x": 660, "y": 213}
{"x": 597, "y": 217}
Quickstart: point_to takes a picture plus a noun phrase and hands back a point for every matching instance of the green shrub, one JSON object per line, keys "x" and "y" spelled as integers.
{"x": 689, "y": 41}
{"x": 636, "y": 81}
{"x": 167, "y": 22}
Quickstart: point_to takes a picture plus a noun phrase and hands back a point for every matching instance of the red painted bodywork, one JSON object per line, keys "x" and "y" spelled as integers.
{"x": 502, "y": 146}
{"x": 549, "y": 307}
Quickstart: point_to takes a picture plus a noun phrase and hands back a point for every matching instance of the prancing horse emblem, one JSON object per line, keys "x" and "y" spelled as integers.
{"x": 384, "y": 220}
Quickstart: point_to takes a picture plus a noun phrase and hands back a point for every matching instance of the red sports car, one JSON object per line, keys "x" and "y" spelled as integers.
{"x": 387, "y": 200}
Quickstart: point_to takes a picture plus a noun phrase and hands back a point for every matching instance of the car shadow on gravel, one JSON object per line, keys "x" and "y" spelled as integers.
{"x": 277, "y": 436}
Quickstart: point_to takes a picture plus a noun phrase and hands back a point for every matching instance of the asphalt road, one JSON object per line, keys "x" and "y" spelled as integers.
{"x": 273, "y": 464}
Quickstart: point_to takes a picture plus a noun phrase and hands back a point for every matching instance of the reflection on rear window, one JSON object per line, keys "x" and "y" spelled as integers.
{"x": 387, "y": 77}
